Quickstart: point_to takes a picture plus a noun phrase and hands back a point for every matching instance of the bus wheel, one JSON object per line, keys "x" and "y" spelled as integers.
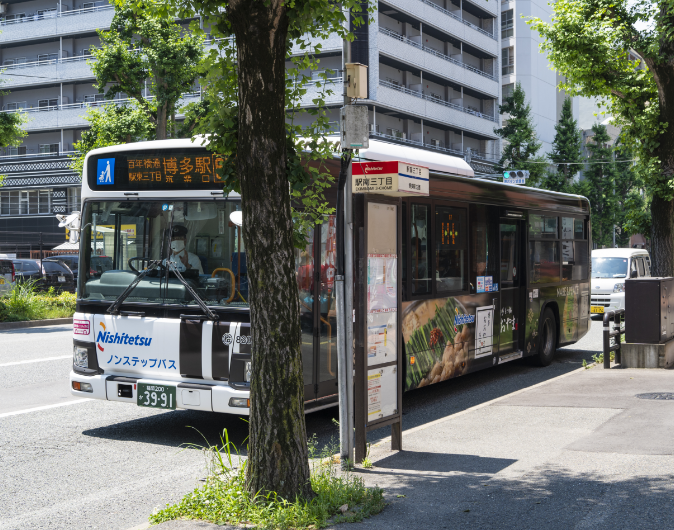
{"x": 547, "y": 342}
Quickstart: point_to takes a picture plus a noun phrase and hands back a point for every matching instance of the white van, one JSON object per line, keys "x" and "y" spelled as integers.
{"x": 610, "y": 268}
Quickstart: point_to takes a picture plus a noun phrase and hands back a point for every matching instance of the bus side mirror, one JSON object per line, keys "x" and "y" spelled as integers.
{"x": 633, "y": 274}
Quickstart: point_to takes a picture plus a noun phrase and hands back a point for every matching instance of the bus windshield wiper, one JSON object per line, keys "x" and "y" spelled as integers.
{"x": 114, "y": 307}
{"x": 211, "y": 314}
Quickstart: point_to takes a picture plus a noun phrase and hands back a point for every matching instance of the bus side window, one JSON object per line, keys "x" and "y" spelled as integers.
{"x": 420, "y": 271}
{"x": 450, "y": 249}
{"x": 484, "y": 243}
{"x": 544, "y": 259}
{"x": 575, "y": 255}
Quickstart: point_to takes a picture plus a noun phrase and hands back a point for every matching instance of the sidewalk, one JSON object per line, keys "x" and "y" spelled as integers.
{"x": 578, "y": 451}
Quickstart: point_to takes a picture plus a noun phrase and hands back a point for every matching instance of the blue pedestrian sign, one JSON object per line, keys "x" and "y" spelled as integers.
{"x": 105, "y": 171}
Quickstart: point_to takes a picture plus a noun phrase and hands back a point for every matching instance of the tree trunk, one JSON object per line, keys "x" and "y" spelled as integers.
{"x": 662, "y": 237}
{"x": 161, "y": 122}
{"x": 277, "y": 456}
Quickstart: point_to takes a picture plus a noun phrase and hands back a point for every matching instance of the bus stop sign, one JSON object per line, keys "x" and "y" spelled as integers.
{"x": 393, "y": 178}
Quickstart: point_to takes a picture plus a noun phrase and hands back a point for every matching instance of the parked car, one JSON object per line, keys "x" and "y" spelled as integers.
{"x": 100, "y": 264}
{"x": 54, "y": 273}
{"x": 72, "y": 260}
{"x": 610, "y": 268}
{"x": 6, "y": 275}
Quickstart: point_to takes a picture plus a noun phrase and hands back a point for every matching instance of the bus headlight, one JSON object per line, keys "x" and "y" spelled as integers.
{"x": 619, "y": 288}
{"x": 246, "y": 371}
{"x": 80, "y": 357}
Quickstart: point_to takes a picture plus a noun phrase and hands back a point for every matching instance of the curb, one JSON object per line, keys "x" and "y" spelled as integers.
{"x": 4, "y": 326}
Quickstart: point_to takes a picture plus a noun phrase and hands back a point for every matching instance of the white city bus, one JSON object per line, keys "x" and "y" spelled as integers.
{"x": 162, "y": 311}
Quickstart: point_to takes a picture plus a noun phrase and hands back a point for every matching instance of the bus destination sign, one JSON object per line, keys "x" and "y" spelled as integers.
{"x": 393, "y": 177}
{"x": 166, "y": 169}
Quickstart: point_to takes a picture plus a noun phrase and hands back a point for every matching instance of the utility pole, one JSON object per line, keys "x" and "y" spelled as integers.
{"x": 344, "y": 358}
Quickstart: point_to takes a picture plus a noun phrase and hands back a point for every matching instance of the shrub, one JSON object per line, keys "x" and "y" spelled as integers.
{"x": 23, "y": 303}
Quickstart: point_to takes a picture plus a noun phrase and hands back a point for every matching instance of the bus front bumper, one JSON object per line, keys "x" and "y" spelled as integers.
{"x": 189, "y": 396}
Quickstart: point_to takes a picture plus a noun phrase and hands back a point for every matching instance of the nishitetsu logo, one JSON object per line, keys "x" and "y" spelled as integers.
{"x": 105, "y": 337}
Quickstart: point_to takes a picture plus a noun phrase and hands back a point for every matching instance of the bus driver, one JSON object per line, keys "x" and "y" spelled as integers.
{"x": 179, "y": 253}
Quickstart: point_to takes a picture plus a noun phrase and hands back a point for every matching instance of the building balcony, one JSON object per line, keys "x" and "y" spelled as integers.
{"x": 427, "y": 107}
{"x": 449, "y": 22}
{"x": 39, "y": 73}
{"x": 403, "y": 49}
{"x": 76, "y": 21}
{"x": 72, "y": 115}
{"x": 402, "y": 139}
{"x": 331, "y": 44}
{"x": 313, "y": 91}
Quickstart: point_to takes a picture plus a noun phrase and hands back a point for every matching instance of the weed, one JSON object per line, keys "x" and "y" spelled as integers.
{"x": 223, "y": 499}
{"x": 24, "y": 303}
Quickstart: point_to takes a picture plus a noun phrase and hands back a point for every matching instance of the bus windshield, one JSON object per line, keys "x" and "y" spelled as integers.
{"x": 609, "y": 267}
{"x": 201, "y": 238}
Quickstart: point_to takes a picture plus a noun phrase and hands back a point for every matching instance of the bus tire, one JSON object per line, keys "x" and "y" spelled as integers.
{"x": 547, "y": 341}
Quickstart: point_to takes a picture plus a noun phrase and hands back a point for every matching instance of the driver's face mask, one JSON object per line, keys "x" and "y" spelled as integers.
{"x": 177, "y": 245}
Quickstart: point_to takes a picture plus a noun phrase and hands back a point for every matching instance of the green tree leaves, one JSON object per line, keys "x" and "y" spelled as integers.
{"x": 565, "y": 148}
{"x": 521, "y": 144}
{"x": 147, "y": 54}
{"x": 111, "y": 125}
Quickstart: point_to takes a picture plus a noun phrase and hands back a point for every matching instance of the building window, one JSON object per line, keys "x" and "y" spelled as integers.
{"x": 507, "y": 61}
{"x": 46, "y": 149}
{"x": 47, "y": 104}
{"x": 43, "y": 201}
{"x": 506, "y": 90}
{"x": 30, "y": 202}
{"x": 74, "y": 195}
{"x": 507, "y": 24}
{"x": 15, "y": 106}
{"x": 16, "y": 151}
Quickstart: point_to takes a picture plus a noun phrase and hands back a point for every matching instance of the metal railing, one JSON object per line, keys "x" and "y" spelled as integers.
{"x": 55, "y": 14}
{"x": 88, "y": 104}
{"x": 427, "y": 49}
{"x": 474, "y": 154}
{"x": 37, "y": 155}
{"x": 617, "y": 316}
{"x": 460, "y": 19}
{"x": 47, "y": 62}
{"x": 439, "y": 101}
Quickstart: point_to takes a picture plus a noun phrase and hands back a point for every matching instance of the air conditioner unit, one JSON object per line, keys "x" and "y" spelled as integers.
{"x": 64, "y": 100}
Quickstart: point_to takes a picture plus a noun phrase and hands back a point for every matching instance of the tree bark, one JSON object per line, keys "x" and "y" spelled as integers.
{"x": 161, "y": 122}
{"x": 277, "y": 456}
{"x": 662, "y": 207}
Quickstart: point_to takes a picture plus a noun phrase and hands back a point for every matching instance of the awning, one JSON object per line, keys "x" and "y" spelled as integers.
{"x": 383, "y": 151}
{"x": 67, "y": 246}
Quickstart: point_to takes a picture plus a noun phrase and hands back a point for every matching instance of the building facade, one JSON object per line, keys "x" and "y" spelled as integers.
{"x": 522, "y": 62}
{"x": 433, "y": 73}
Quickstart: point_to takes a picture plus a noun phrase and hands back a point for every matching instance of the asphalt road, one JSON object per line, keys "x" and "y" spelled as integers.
{"x": 71, "y": 463}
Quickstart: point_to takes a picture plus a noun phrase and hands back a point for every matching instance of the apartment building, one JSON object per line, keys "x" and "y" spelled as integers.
{"x": 523, "y": 62}
{"x": 433, "y": 72}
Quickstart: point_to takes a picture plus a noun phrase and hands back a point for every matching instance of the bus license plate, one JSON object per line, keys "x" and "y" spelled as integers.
{"x": 62, "y": 278}
{"x": 156, "y": 396}
{"x": 597, "y": 309}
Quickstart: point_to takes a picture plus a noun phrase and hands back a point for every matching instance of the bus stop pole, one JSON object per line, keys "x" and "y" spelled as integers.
{"x": 348, "y": 307}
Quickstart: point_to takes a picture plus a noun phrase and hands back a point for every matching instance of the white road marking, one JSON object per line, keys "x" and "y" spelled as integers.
{"x": 37, "y": 360}
{"x": 45, "y": 407}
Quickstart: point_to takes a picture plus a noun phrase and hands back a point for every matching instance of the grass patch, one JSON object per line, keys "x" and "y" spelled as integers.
{"x": 24, "y": 303}
{"x": 224, "y": 499}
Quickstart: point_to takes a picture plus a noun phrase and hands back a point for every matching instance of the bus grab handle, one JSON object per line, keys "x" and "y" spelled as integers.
{"x": 215, "y": 271}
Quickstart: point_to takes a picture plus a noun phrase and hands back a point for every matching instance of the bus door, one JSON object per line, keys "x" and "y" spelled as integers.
{"x": 315, "y": 271}
{"x": 512, "y": 279}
